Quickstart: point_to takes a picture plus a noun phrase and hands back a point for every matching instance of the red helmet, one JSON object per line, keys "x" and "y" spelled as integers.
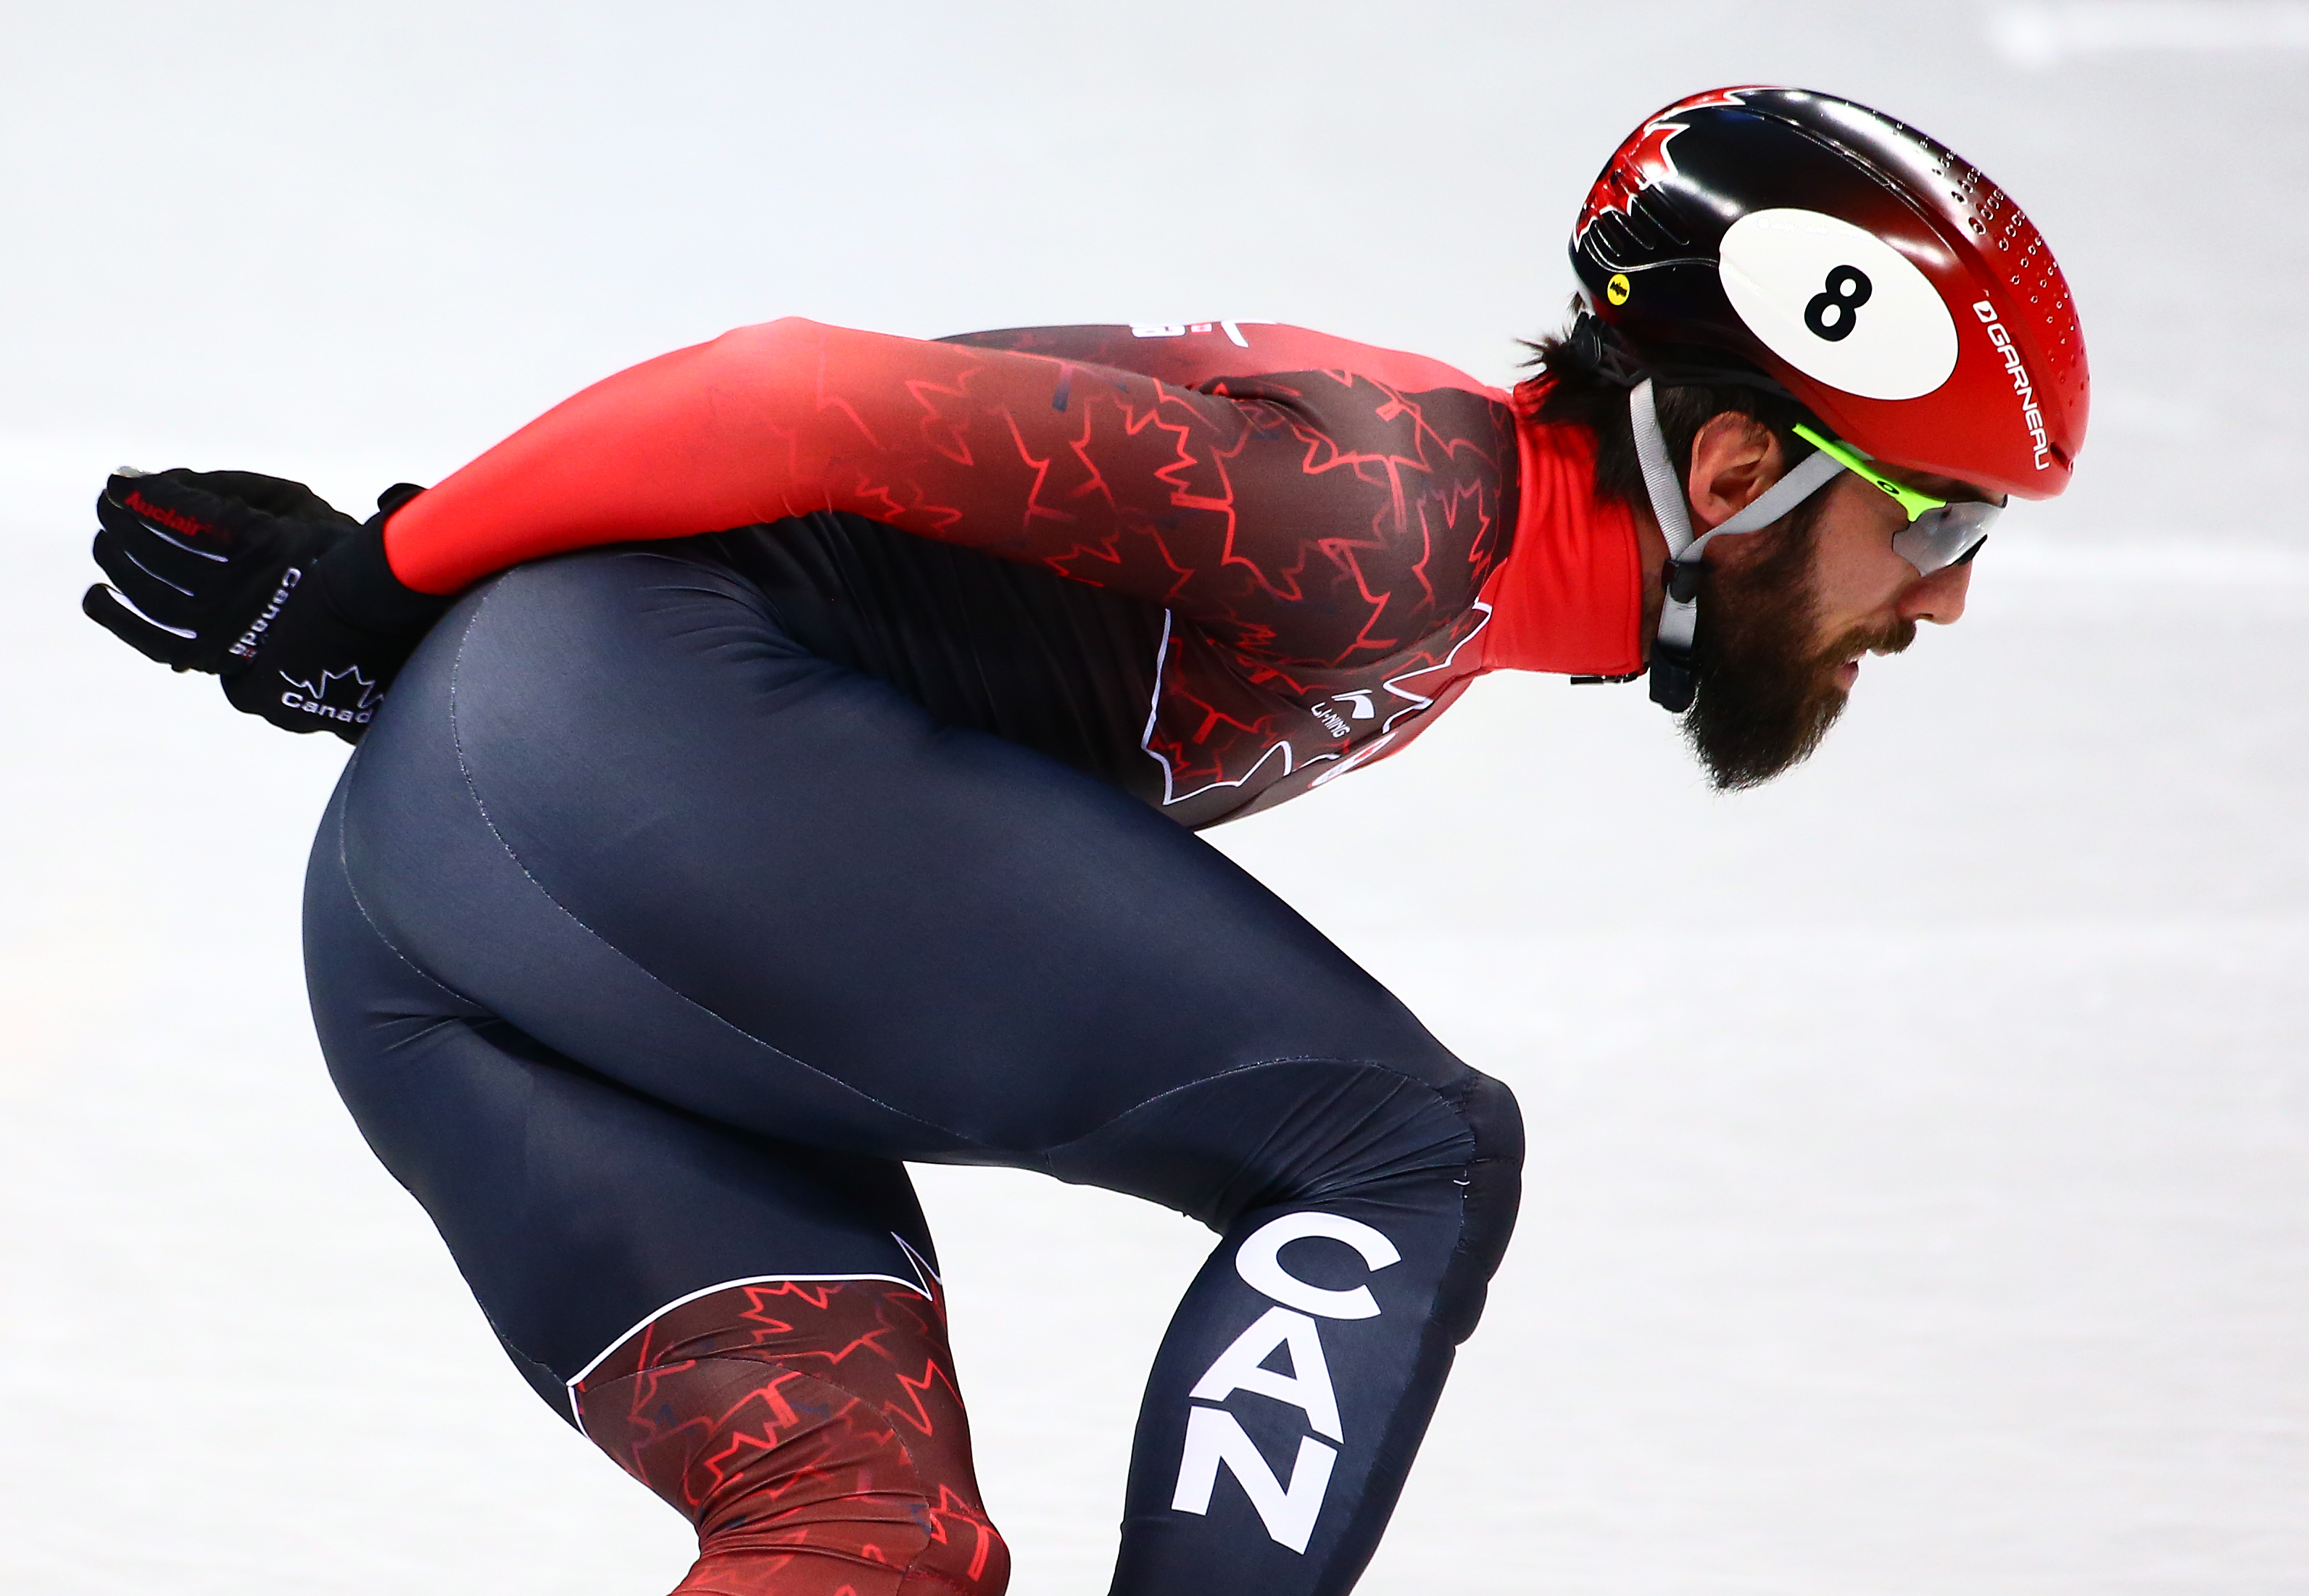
{"x": 1883, "y": 282}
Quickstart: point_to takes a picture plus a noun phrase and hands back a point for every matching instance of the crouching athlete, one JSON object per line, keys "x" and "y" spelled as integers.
{"x": 793, "y": 757}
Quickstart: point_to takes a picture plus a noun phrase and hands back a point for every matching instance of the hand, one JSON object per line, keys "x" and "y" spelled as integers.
{"x": 260, "y": 582}
{"x": 206, "y": 558}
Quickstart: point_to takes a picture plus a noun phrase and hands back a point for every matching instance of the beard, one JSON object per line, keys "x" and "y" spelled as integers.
{"x": 1767, "y": 691}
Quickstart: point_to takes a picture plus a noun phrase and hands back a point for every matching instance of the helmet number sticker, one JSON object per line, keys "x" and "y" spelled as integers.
{"x": 1831, "y": 311}
{"x": 1838, "y": 303}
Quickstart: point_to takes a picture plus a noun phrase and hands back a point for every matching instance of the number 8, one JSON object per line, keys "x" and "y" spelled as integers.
{"x": 1848, "y": 289}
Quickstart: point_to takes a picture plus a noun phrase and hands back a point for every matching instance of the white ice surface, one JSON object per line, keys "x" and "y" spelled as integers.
{"x": 1917, "y": 1187}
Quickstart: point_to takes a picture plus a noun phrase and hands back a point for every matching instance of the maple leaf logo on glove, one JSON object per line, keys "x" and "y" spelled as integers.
{"x": 345, "y": 695}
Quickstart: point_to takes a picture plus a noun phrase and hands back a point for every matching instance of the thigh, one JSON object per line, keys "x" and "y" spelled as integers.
{"x": 575, "y": 1208}
{"x": 614, "y": 804}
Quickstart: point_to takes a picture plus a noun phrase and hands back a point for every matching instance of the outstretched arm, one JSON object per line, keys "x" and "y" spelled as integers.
{"x": 1288, "y": 514}
{"x": 1090, "y": 469}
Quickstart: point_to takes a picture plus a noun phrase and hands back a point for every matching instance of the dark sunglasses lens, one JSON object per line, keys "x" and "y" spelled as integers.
{"x": 1947, "y": 536}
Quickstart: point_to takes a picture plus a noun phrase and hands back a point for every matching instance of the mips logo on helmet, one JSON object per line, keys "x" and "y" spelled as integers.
{"x": 2031, "y": 417}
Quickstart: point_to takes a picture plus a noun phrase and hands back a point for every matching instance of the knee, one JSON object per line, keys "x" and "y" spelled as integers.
{"x": 813, "y": 1434}
{"x": 1493, "y": 1189}
{"x": 1305, "y": 1130}
{"x": 1492, "y": 1116}
{"x": 1370, "y": 1129}
{"x": 1494, "y": 1122}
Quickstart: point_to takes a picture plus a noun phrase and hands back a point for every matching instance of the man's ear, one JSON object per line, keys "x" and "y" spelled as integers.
{"x": 1734, "y": 459}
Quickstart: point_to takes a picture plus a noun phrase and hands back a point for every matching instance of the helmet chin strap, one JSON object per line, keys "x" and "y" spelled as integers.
{"x": 1674, "y": 674}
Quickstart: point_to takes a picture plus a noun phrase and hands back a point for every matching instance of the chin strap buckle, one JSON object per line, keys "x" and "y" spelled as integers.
{"x": 1673, "y": 678}
{"x": 1675, "y": 668}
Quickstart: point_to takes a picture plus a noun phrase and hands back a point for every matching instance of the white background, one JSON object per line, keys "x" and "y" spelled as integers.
{"x": 1917, "y": 1200}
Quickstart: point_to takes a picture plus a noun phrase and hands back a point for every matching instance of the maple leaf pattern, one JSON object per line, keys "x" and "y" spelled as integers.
{"x": 812, "y": 1431}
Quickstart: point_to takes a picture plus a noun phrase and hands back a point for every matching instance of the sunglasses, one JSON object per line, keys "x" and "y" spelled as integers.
{"x": 1940, "y": 533}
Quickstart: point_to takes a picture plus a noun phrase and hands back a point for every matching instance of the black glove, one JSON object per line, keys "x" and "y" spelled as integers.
{"x": 259, "y": 581}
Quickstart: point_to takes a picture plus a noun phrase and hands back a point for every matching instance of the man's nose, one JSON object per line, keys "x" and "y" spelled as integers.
{"x": 1938, "y": 598}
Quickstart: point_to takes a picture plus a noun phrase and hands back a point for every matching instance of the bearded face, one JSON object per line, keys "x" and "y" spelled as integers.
{"x": 1769, "y": 685}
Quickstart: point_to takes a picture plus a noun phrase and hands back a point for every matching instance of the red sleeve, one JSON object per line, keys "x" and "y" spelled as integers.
{"x": 983, "y": 447}
{"x": 1290, "y": 516}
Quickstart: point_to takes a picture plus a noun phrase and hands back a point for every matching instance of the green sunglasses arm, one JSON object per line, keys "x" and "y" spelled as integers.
{"x": 1915, "y": 504}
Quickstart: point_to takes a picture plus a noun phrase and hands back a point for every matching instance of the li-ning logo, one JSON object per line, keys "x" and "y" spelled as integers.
{"x": 1232, "y": 327}
{"x": 246, "y": 648}
{"x": 2031, "y": 417}
{"x": 1215, "y": 1437}
{"x": 1359, "y": 707}
{"x": 314, "y": 700}
{"x": 174, "y": 520}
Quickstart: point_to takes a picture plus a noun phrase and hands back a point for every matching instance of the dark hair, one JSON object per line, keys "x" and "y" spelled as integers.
{"x": 1581, "y": 391}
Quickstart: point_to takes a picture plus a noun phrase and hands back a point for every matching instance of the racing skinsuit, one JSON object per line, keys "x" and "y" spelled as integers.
{"x": 806, "y": 783}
